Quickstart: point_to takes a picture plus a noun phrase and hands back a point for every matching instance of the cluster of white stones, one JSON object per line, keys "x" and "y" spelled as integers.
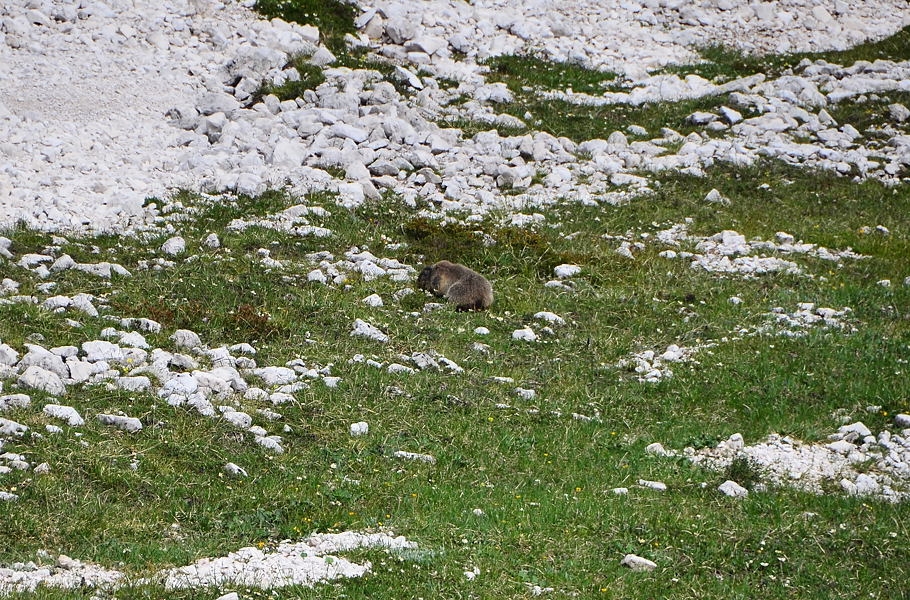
{"x": 806, "y": 316}
{"x": 627, "y": 37}
{"x": 168, "y": 103}
{"x": 361, "y": 262}
{"x": 652, "y": 366}
{"x": 96, "y": 143}
{"x": 858, "y": 461}
{"x": 212, "y": 381}
{"x": 728, "y": 252}
{"x": 307, "y": 562}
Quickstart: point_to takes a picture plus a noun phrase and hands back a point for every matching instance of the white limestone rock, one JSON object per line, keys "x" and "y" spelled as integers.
{"x": 276, "y": 375}
{"x": 364, "y": 329}
{"x": 854, "y": 431}
{"x": 637, "y": 563}
{"x": 128, "y": 424}
{"x": 373, "y": 300}
{"x": 41, "y": 357}
{"x": 237, "y": 471}
{"x": 414, "y": 456}
{"x": 733, "y": 489}
{"x": 565, "y": 271}
{"x": 898, "y": 112}
{"x": 41, "y": 379}
{"x": 270, "y": 442}
{"x": 8, "y": 355}
{"x": 715, "y": 197}
{"x": 550, "y": 317}
{"x": 100, "y": 350}
{"x": 13, "y": 401}
{"x": 654, "y": 485}
{"x": 526, "y": 334}
{"x": 10, "y": 428}
{"x": 212, "y": 241}
{"x": 133, "y": 384}
{"x": 174, "y": 246}
{"x": 64, "y": 413}
{"x": 657, "y": 449}
{"x": 184, "y": 338}
{"x": 237, "y": 418}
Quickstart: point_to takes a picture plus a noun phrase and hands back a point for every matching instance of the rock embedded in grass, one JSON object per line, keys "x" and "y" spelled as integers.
{"x": 174, "y": 246}
{"x": 37, "y": 378}
{"x": 654, "y": 485}
{"x": 416, "y": 456}
{"x": 637, "y": 563}
{"x": 550, "y": 317}
{"x": 13, "y": 401}
{"x": 525, "y": 334}
{"x": 128, "y": 424}
{"x": 657, "y": 449}
{"x": 184, "y": 338}
{"x": 64, "y": 413}
{"x": 732, "y": 489}
{"x": 235, "y": 470}
{"x": 565, "y": 271}
{"x": 373, "y": 300}
{"x": 364, "y": 329}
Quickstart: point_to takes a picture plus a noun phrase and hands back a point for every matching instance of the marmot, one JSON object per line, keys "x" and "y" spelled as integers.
{"x": 467, "y": 289}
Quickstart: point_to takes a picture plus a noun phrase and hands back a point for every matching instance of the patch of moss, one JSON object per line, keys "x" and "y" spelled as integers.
{"x": 311, "y": 77}
{"x": 334, "y": 18}
{"x": 743, "y": 471}
{"x": 722, "y": 63}
{"x": 518, "y": 72}
{"x": 435, "y": 241}
{"x": 515, "y": 249}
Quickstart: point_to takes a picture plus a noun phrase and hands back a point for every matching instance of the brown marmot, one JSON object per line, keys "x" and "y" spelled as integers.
{"x": 467, "y": 289}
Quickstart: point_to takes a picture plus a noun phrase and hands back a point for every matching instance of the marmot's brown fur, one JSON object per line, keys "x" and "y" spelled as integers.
{"x": 467, "y": 289}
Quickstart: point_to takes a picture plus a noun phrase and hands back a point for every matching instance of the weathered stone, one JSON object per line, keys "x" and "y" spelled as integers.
{"x": 637, "y": 563}
{"x": 184, "y": 338}
{"x": 400, "y": 29}
{"x": 128, "y": 424}
{"x": 64, "y": 413}
{"x": 41, "y": 379}
{"x": 174, "y": 246}
{"x": 733, "y": 489}
{"x": 12, "y": 401}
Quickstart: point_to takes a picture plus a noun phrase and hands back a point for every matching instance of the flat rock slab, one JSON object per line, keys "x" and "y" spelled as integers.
{"x": 637, "y": 563}
{"x": 130, "y": 424}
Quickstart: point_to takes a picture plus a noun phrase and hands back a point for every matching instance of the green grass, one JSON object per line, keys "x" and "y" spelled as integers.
{"x": 580, "y": 122}
{"x": 721, "y": 63}
{"x": 543, "y": 479}
{"x": 334, "y": 18}
{"x": 529, "y": 78}
{"x": 520, "y": 72}
{"x": 311, "y": 77}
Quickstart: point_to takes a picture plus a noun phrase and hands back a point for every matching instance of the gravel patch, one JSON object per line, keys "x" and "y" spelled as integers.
{"x": 142, "y": 99}
{"x": 307, "y": 562}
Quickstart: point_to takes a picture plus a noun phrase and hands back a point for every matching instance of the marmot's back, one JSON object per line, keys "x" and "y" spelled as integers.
{"x": 467, "y": 289}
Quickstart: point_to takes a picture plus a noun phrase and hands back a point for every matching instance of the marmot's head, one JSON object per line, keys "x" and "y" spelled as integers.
{"x": 425, "y": 278}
